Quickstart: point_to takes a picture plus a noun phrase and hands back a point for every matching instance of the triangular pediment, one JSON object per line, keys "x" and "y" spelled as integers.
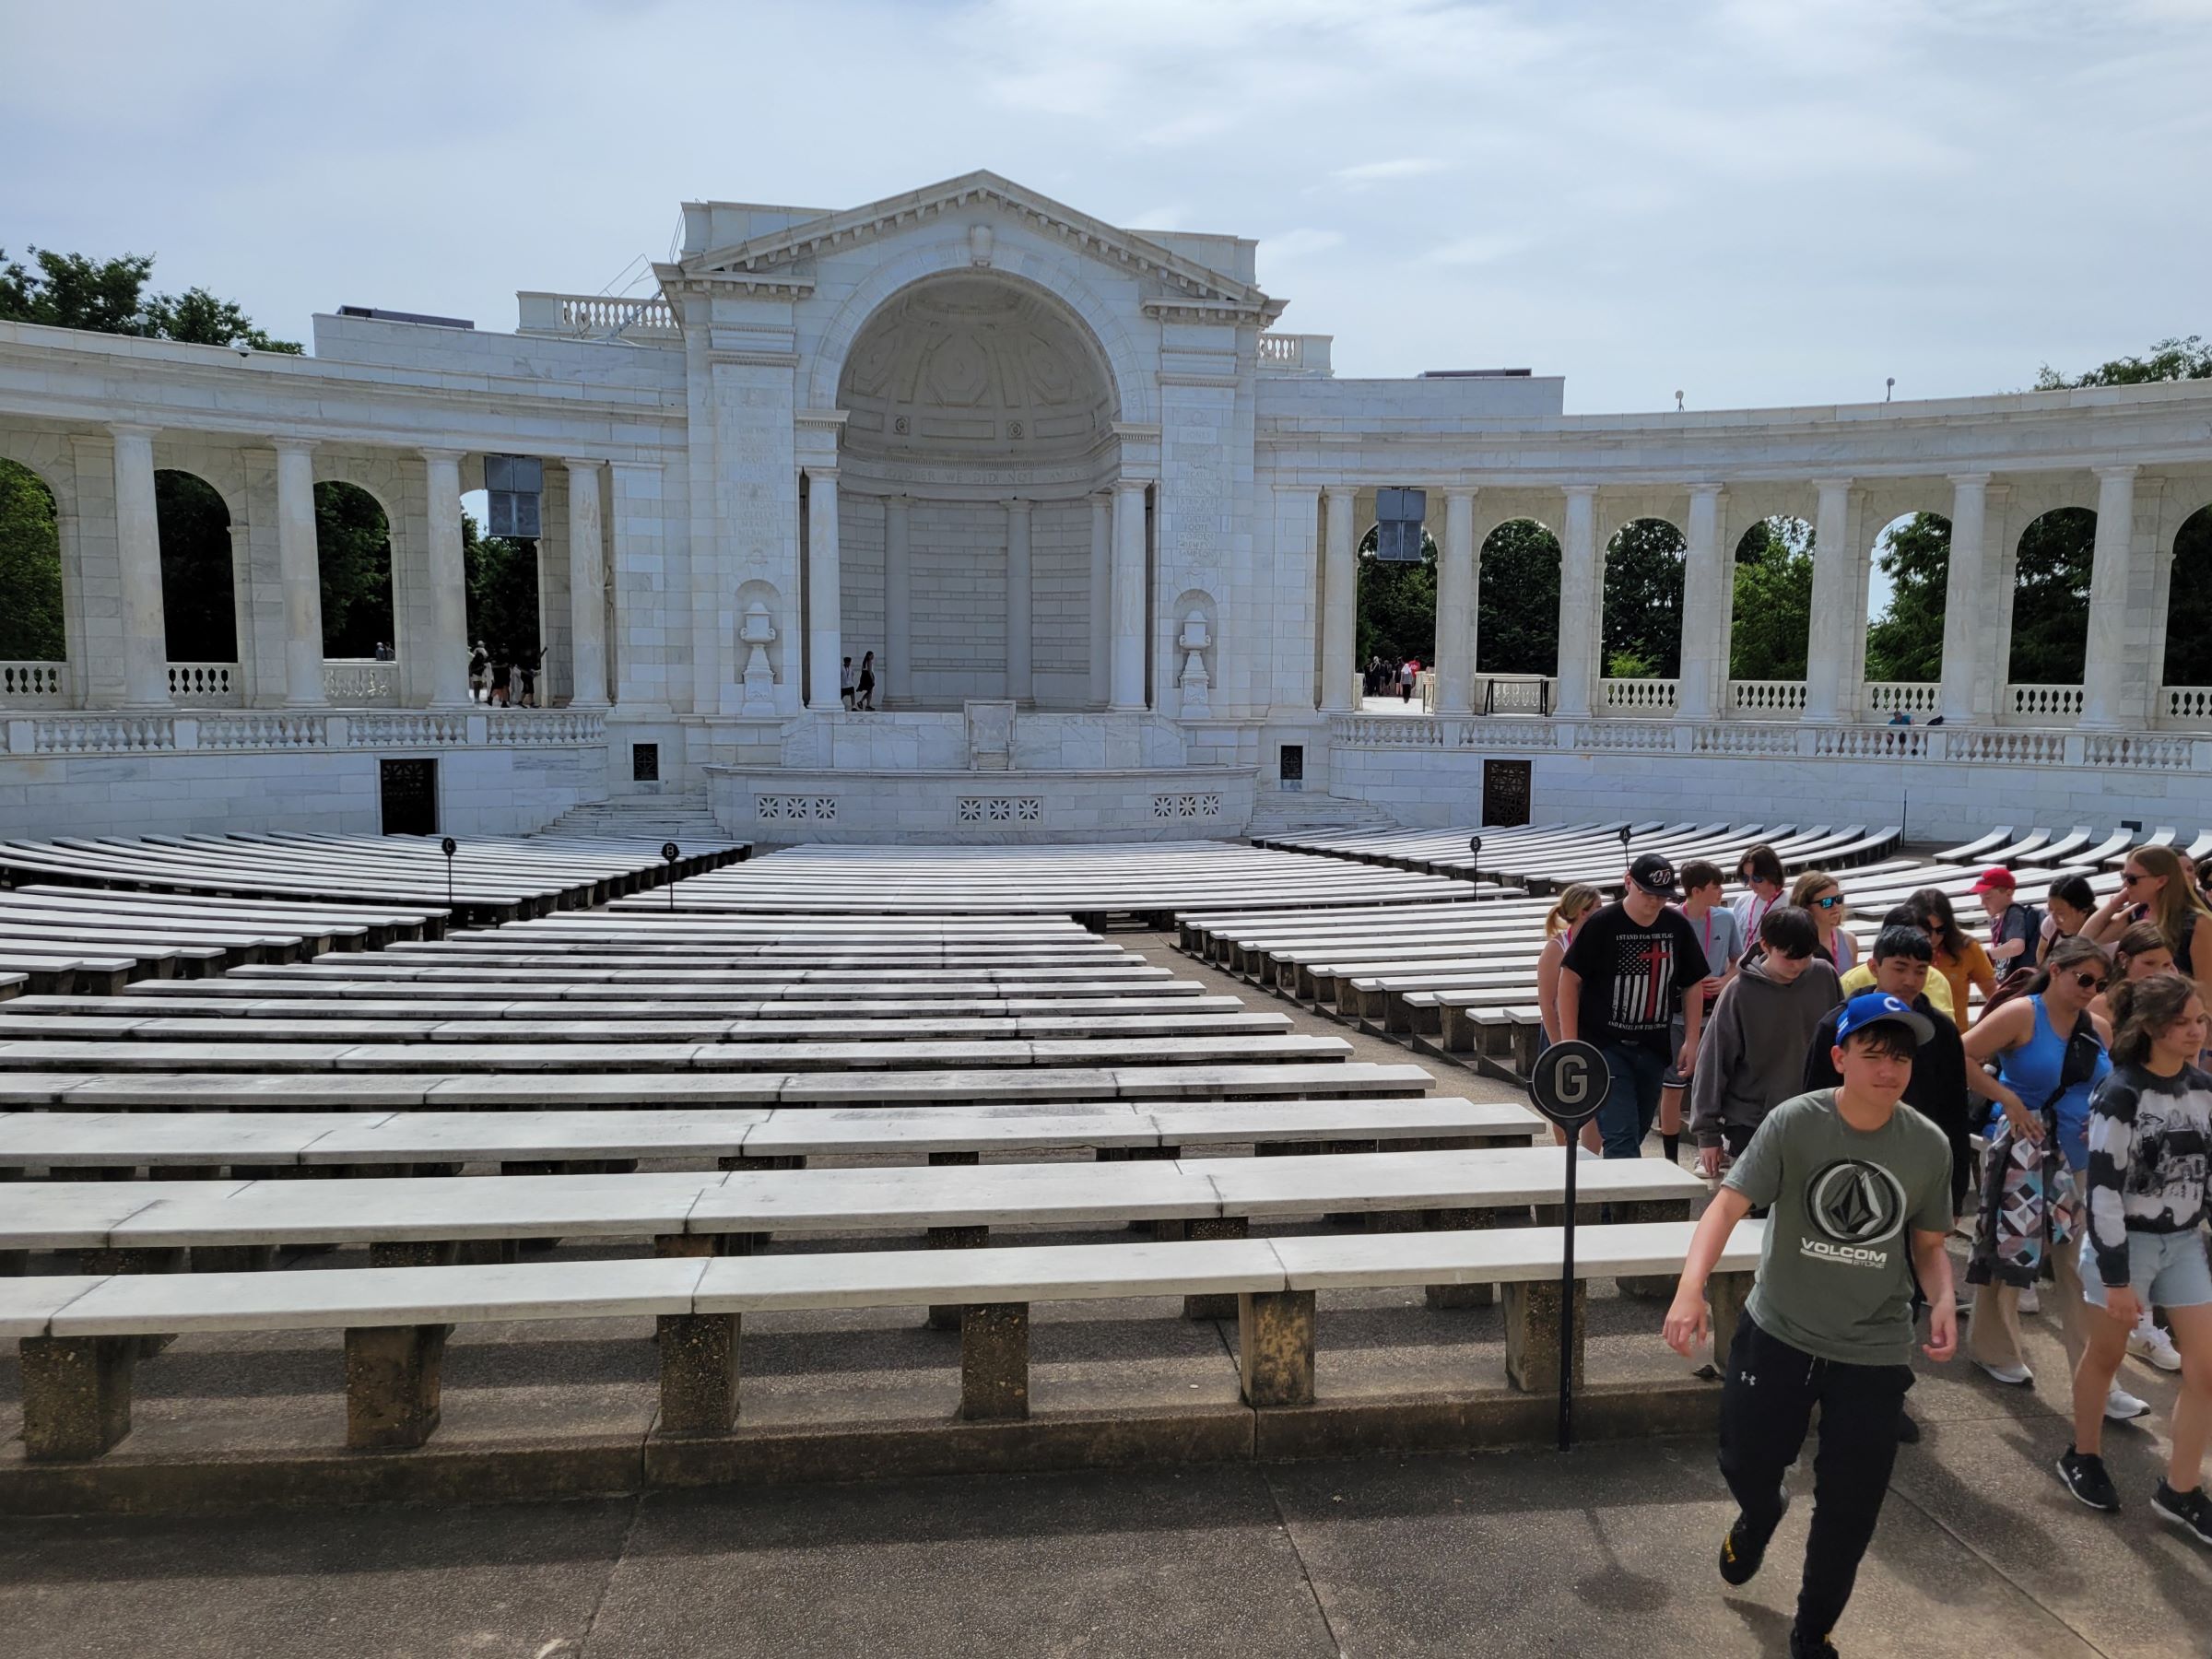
{"x": 1182, "y": 281}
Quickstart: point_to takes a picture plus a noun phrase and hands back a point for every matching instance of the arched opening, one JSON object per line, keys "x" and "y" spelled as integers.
{"x": 1906, "y": 582}
{"x": 1397, "y": 612}
{"x": 198, "y": 605}
{"x": 1643, "y": 601}
{"x": 2050, "y": 604}
{"x": 1771, "y": 616}
{"x": 972, "y": 560}
{"x": 1517, "y": 600}
{"x": 2186, "y": 672}
{"x": 32, "y": 634}
{"x": 353, "y": 551}
{"x": 506, "y": 612}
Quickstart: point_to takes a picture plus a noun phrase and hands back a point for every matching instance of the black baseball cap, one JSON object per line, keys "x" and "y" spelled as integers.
{"x": 1655, "y": 875}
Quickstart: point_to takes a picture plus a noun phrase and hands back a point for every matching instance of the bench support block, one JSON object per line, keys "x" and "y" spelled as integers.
{"x": 699, "y": 1373}
{"x": 77, "y": 1395}
{"x": 1457, "y": 1296}
{"x": 1661, "y": 1285}
{"x": 946, "y": 1316}
{"x": 1275, "y": 1346}
{"x": 1222, "y": 1305}
{"x": 232, "y": 1258}
{"x": 392, "y": 1379}
{"x": 994, "y": 1363}
{"x": 1531, "y": 1334}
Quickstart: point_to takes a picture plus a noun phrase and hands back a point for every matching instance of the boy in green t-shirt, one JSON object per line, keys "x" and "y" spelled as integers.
{"x": 1849, "y": 1179}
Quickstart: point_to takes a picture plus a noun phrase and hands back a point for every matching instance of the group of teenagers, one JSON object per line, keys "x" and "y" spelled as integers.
{"x": 1841, "y": 1100}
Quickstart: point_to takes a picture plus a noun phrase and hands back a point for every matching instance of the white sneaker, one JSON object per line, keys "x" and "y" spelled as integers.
{"x": 2015, "y": 1376}
{"x": 2146, "y": 1341}
{"x": 2030, "y": 1302}
{"x": 2122, "y": 1407}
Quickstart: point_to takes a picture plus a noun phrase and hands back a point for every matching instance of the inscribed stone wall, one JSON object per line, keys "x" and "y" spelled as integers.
{"x": 1060, "y": 601}
{"x": 958, "y": 553}
{"x": 860, "y": 573}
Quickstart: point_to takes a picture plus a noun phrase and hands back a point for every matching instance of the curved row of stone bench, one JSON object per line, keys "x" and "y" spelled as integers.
{"x": 79, "y": 1336}
{"x": 211, "y": 1142}
{"x": 231, "y": 1003}
{"x": 187, "y": 1090}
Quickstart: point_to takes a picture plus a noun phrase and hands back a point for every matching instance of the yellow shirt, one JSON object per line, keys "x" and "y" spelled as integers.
{"x": 1939, "y": 994}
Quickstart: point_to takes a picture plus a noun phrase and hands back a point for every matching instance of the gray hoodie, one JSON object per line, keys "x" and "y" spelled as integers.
{"x": 1751, "y": 1057}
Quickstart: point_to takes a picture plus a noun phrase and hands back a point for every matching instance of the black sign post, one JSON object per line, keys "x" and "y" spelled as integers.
{"x": 671, "y": 852}
{"x": 449, "y": 846}
{"x": 1569, "y": 1084}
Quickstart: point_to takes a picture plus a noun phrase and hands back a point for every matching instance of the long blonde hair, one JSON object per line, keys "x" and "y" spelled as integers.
{"x": 1809, "y": 883}
{"x": 2176, "y": 906}
{"x": 1574, "y": 902}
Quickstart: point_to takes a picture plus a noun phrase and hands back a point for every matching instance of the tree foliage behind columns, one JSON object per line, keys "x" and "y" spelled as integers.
{"x": 2189, "y": 605}
{"x": 1771, "y": 622}
{"x": 2050, "y": 598}
{"x": 353, "y": 554}
{"x": 1905, "y": 642}
{"x": 108, "y": 296}
{"x": 198, "y": 578}
{"x": 1643, "y": 601}
{"x": 503, "y": 592}
{"x": 1397, "y": 606}
{"x": 1517, "y": 606}
{"x": 31, "y": 569}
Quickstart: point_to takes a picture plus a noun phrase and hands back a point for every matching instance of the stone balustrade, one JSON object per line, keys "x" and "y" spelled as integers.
{"x": 1904, "y": 696}
{"x": 2042, "y": 704}
{"x": 1766, "y": 699}
{"x": 32, "y": 684}
{"x": 2185, "y": 705}
{"x": 1641, "y": 696}
{"x": 1515, "y": 693}
{"x": 206, "y": 685}
{"x": 1295, "y": 353}
{"x": 584, "y": 315}
{"x": 360, "y": 682}
{"x": 92, "y": 734}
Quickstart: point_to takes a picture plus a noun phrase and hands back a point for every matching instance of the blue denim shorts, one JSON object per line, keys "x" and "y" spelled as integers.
{"x": 2167, "y": 1270}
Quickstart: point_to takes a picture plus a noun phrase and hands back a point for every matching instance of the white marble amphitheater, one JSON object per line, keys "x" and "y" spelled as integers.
{"x": 1095, "y": 515}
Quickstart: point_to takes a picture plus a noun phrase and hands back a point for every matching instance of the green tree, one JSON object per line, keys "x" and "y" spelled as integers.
{"x": 1397, "y": 605}
{"x": 503, "y": 592}
{"x": 2050, "y": 598}
{"x": 31, "y": 569}
{"x": 2171, "y": 360}
{"x": 1771, "y": 606}
{"x": 195, "y": 530}
{"x": 108, "y": 296}
{"x": 2189, "y": 605}
{"x": 1517, "y": 606}
{"x": 353, "y": 551}
{"x": 1905, "y": 642}
{"x": 1643, "y": 600}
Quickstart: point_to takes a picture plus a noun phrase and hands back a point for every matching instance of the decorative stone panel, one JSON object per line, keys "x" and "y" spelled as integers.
{"x": 1000, "y": 809}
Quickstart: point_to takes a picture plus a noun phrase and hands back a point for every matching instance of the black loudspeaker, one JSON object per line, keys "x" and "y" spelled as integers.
{"x": 1398, "y": 514}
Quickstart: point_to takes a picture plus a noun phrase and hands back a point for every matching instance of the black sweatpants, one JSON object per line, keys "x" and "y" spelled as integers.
{"x": 1767, "y": 1401}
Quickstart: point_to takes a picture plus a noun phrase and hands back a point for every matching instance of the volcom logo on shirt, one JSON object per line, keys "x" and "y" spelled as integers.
{"x": 1858, "y": 1205}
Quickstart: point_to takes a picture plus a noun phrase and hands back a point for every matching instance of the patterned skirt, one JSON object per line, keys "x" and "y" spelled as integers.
{"x": 2030, "y": 1206}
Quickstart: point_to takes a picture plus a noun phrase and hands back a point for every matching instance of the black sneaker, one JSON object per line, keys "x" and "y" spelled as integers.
{"x": 1742, "y": 1551}
{"x": 1908, "y": 1431}
{"x": 1810, "y": 1647}
{"x": 2191, "y": 1511}
{"x": 2085, "y": 1477}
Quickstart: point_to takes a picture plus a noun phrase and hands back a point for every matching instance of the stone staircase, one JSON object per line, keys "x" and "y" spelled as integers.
{"x": 680, "y": 817}
{"x": 1280, "y": 812}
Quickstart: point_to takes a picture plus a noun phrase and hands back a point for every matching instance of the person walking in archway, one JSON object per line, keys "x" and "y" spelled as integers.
{"x": 863, "y": 695}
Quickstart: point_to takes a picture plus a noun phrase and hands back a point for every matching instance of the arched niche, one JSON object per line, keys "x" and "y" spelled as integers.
{"x": 198, "y": 592}
{"x": 1517, "y": 600}
{"x": 353, "y": 553}
{"x": 34, "y": 625}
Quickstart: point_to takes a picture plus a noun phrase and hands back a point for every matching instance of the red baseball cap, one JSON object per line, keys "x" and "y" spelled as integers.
{"x": 1996, "y": 876}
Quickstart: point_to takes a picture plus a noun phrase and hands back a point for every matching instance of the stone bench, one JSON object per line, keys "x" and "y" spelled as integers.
{"x": 208, "y": 1142}
{"x": 58, "y": 972}
{"x": 338, "y": 983}
{"x": 202, "y": 1002}
{"x": 187, "y": 1090}
{"x": 376, "y": 925}
{"x": 79, "y": 1337}
{"x": 42, "y": 1055}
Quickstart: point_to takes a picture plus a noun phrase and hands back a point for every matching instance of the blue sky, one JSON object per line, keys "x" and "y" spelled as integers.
{"x": 1758, "y": 203}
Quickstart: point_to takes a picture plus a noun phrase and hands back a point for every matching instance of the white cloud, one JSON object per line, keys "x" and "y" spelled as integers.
{"x": 1374, "y": 173}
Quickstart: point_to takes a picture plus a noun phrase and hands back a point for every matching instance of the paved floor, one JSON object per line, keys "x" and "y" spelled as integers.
{"x": 1608, "y": 1549}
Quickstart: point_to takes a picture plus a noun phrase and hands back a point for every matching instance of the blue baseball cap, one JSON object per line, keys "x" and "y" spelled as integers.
{"x": 1874, "y": 1007}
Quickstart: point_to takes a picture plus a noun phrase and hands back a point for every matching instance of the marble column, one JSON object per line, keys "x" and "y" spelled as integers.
{"x": 587, "y": 588}
{"x": 1339, "y": 601}
{"x": 138, "y": 551}
{"x": 299, "y": 570}
{"x": 1127, "y": 687}
{"x": 2104, "y": 674}
{"x": 898, "y": 602}
{"x": 1020, "y": 681}
{"x": 1964, "y": 625}
{"x": 449, "y": 582}
{"x": 1579, "y": 617}
{"x": 1707, "y": 595}
{"x": 1455, "y": 607}
{"x": 1829, "y": 695}
{"x": 1101, "y": 599}
{"x": 824, "y": 628}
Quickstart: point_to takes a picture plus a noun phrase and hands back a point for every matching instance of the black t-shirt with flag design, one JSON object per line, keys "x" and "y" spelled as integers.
{"x": 1633, "y": 975}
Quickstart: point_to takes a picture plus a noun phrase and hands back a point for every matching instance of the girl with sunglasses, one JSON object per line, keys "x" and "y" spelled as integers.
{"x": 1819, "y": 894}
{"x": 1958, "y": 955}
{"x": 2050, "y": 1053}
{"x": 2156, "y": 886}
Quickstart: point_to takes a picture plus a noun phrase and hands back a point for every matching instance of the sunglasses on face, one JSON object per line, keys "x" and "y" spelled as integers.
{"x": 1829, "y": 903}
{"x": 2089, "y": 981}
